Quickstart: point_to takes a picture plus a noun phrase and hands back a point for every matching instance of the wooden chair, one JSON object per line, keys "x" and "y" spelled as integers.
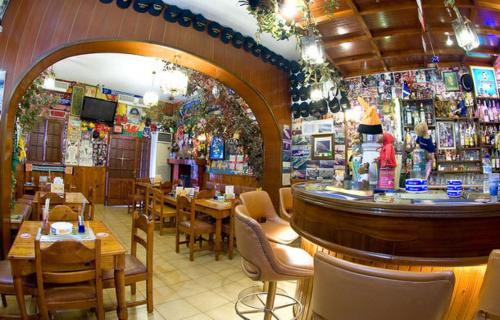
{"x": 187, "y": 223}
{"x": 90, "y": 208}
{"x": 7, "y": 284}
{"x": 68, "y": 275}
{"x": 136, "y": 198}
{"x": 62, "y": 213}
{"x": 135, "y": 270}
{"x": 166, "y": 187}
{"x": 161, "y": 211}
{"x": 55, "y": 200}
{"x": 148, "y": 202}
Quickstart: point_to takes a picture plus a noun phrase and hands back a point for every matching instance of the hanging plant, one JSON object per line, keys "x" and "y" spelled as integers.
{"x": 33, "y": 102}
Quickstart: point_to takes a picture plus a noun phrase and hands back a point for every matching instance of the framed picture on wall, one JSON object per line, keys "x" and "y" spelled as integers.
{"x": 322, "y": 147}
{"x": 485, "y": 83}
{"x": 450, "y": 79}
{"x": 90, "y": 91}
{"x": 446, "y": 135}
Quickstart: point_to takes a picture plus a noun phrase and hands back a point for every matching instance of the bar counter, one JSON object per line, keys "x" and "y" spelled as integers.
{"x": 406, "y": 235}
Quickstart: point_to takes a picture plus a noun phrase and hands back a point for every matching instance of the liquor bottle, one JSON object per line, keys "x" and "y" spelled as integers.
{"x": 409, "y": 118}
{"x": 422, "y": 112}
{"x": 475, "y": 138}
{"x": 483, "y": 136}
{"x": 462, "y": 135}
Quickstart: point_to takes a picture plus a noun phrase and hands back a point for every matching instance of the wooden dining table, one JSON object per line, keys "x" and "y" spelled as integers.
{"x": 22, "y": 259}
{"x": 217, "y": 210}
{"x": 72, "y": 199}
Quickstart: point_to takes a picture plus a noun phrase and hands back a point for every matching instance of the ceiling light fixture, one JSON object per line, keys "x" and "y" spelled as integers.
{"x": 312, "y": 50}
{"x": 151, "y": 98}
{"x": 464, "y": 30}
{"x": 288, "y": 9}
{"x": 316, "y": 92}
{"x": 174, "y": 81}
{"x": 449, "y": 41}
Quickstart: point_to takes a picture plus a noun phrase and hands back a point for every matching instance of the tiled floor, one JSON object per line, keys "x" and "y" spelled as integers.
{"x": 203, "y": 289}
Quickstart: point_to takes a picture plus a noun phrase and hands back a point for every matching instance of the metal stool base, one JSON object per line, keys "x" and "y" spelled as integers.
{"x": 246, "y": 306}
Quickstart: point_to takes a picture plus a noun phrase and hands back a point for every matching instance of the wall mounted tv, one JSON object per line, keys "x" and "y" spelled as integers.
{"x": 99, "y": 110}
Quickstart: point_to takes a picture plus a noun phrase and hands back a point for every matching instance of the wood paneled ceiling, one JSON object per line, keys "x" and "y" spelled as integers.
{"x": 369, "y": 36}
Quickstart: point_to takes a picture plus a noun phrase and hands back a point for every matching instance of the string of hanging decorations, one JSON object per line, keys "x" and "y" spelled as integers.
{"x": 285, "y": 19}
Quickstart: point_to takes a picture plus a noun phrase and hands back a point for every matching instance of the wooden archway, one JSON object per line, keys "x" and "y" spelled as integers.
{"x": 39, "y": 33}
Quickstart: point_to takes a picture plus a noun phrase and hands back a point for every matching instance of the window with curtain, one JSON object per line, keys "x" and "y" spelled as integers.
{"x": 45, "y": 141}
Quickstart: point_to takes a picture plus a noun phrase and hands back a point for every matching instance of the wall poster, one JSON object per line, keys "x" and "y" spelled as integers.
{"x": 485, "y": 84}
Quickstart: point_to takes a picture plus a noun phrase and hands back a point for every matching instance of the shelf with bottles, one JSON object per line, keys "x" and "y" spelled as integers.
{"x": 416, "y": 111}
{"x": 466, "y": 119}
{"x": 488, "y": 110}
{"x": 458, "y": 156}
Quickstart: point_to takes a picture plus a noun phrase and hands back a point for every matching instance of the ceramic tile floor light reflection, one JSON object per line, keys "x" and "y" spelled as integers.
{"x": 204, "y": 289}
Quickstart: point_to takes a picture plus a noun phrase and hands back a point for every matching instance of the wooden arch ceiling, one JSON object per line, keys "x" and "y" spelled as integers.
{"x": 369, "y": 36}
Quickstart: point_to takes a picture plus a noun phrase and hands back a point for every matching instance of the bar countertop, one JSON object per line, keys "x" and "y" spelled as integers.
{"x": 431, "y": 231}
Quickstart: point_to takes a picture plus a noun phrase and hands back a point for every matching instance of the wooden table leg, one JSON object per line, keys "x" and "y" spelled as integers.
{"x": 218, "y": 237}
{"x": 18, "y": 286}
{"x": 120, "y": 287}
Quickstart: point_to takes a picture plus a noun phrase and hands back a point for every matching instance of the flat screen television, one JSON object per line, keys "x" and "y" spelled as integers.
{"x": 99, "y": 110}
{"x": 217, "y": 149}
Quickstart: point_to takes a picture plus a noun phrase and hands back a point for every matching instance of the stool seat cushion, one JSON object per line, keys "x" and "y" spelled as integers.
{"x": 297, "y": 262}
{"x": 278, "y": 230}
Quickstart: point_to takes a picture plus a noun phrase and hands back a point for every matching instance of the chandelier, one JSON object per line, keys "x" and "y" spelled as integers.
{"x": 174, "y": 80}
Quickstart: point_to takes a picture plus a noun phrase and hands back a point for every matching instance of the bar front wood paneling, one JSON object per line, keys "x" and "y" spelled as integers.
{"x": 83, "y": 26}
{"x": 418, "y": 238}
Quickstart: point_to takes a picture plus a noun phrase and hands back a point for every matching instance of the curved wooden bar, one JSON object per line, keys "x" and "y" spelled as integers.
{"x": 404, "y": 236}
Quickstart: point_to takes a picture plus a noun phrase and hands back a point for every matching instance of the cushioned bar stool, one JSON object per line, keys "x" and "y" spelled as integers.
{"x": 349, "y": 291}
{"x": 286, "y": 203}
{"x": 259, "y": 206}
{"x": 262, "y": 260}
{"x": 489, "y": 296}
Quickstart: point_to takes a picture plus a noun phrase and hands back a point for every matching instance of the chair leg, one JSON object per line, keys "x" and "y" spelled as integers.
{"x": 149, "y": 294}
{"x": 191, "y": 247}
{"x": 271, "y": 294}
{"x": 177, "y": 239}
{"x": 133, "y": 289}
{"x": 4, "y": 301}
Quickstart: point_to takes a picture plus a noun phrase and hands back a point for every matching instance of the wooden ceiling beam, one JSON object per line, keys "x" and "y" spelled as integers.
{"x": 366, "y": 30}
{"x": 321, "y": 17}
{"x": 405, "y": 67}
{"x": 412, "y": 5}
{"x": 489, "y": 4}
{"x": 379, "y": 35}
{"x": 332, "y": 42}
{"x": 353, "y": 59}
{"x": 438, "y": 51}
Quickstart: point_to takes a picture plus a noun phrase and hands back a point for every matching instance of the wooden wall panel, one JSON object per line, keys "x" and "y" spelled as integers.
{"x": 88, "y": 26}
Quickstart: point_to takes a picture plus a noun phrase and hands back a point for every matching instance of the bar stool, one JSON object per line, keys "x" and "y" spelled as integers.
{"x": 259, "y": 206}
{"x": 489, "y": 296}
{"x": 350, "y": 291}
{"x": 286, "y": 203}
{"x": 262, "y": 260}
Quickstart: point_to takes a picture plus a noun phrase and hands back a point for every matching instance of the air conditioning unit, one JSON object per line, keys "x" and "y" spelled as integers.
{"x": 131, "y": 100}
{"x": 164, "y": 137}
{"x": 61, "y": 86}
